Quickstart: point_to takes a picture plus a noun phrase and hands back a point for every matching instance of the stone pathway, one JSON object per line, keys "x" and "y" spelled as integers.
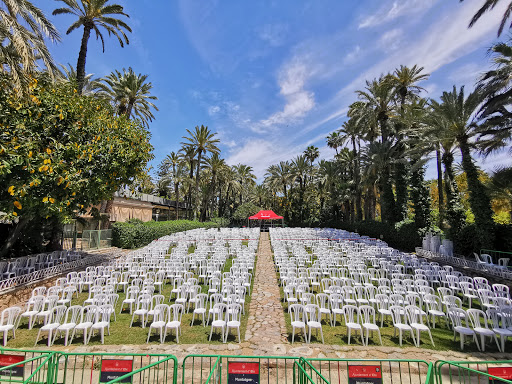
{"x": 266, "y": 324}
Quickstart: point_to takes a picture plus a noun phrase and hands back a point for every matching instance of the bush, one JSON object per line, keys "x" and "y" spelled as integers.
{"x": 136, "y": 234}
{"x": 404, "y": 236}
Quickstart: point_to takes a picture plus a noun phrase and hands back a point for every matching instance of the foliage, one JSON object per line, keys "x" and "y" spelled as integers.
{"x": 245, "y": 210}
{"x": 130, "y": 94}
{"x": 23, "y": 29}
{"x": 221, "y": 221}
{"x": 403, "y": 236}
{"x": 61, "y": 152}
{"x": 136, "y": 234}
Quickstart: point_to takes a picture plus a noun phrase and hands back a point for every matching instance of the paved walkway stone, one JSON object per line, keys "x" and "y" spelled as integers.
{"x": 266, "y": 324}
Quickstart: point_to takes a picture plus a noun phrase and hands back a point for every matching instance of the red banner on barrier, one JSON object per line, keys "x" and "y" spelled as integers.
{"x": 364, "y": 374}
{"x": 243, "y": 372}
{"x": 112, "y": 369}
{"x": 503, "y": 372}
{"x": 6, "y": 360}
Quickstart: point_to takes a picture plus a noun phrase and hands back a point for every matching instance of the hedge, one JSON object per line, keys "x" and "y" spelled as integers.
{"x": 405, "y": 238}
{"x": 136, "y": 234}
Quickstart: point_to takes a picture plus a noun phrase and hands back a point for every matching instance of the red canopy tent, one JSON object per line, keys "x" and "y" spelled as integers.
{"x": 266, "y": 215}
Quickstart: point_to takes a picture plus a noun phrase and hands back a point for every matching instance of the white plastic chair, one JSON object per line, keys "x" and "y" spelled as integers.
{"x": 70, "y": 321}
{"x": 336, "y": 302}
{"x": 457, "y": 316}
{"x": 102, "y": 322}
{"x": 87, "y": 318}
{"x": 218, "y": 320}
{"x": 314, "y": 320}
{"x": 32, "y": 308}
{"x": 174, "y": 320}
{"x": 434, "y": 308}
{"x": 142, "y": 309}
{"x": 200, "y": 307}
{"x": 398, "y": 323}
{"x": 214, "y": 299}
{"x": 298, "y": 319}
{"x": 131, "y": 297}
{"x": 53, "y": 322}
{"x": 51, "y": 302}
{"x": 501, "y": 330}
{"x": 160, "y": 316}
{"x": 415, "y": 319}
{"x": 352, "y": 321}
{"x": 8, "y": 322}
{"x": 479, "y": 323}
{"x": 233, "y": 315}
{"x": 383, "y": 304}
{"x": 368, "y": 321}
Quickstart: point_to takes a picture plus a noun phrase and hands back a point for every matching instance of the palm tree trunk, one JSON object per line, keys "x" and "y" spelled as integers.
{"x": 129, "y": 108}
{"x": 359, "y": 212}
{"x": 80, "y": 65}
{"x": 478, "y": 199}
{"x": 454, "y": 209}
{"x": 440, "y": 187}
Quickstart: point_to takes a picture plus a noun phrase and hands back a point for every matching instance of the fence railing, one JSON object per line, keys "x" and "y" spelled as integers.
{"x": 469, "y": 372}
{"x": 26, "y": 366}
{"x": 54, "y": 271}
{"x": 82, "y": 368}
{"x": 48, "y": 367}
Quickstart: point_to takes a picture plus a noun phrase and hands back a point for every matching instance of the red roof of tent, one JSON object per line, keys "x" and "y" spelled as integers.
{"x": 265, "y": 215}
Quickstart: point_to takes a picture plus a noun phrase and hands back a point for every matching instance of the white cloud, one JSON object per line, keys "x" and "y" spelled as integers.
{"x": 273, "y": 34}
{"x": 393, "y": 10}
{"x": 352, "y": 56}
{"x": 391, "y": 40}
{"x": 299, "y": 101}
{"x": 213, "y": 110}
{"x": 466, "y": 75}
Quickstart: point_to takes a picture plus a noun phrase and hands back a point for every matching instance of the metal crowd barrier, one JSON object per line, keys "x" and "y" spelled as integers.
{"x": 81, "y": 368}
{"x": 283, "y": 369}
{"x": 26, "y": 367}
{"x": 473, "y": 372}
{"x": 48, "y": 367}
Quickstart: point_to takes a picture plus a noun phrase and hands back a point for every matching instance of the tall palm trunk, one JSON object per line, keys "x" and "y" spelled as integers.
{"x": 478, "y": 199}
{"x": 440, "y": 187}
{"x": 357, "y": 177}
{"x": 80, "y": 65}
{"x": 454, "y": 209}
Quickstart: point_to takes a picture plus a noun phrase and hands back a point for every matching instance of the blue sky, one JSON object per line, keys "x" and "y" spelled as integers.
{"x": 274, "y": 76}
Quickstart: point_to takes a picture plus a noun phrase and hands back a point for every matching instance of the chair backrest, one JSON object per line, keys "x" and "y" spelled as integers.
{"x": 494, "y": 316}
{"x": 10, "y": 315}
{"x": 396, "y": 314}
{"x": 477, "y": 318}
{"x": 175, "y": 312}
{"x": 51, "y": 301}
{"x": 104, "y": 312}
{"x": 351, "y": 314}
{"x": 201, "y": 300}
{"x": 88, "y": 313}
{"x": 73, "y": 314}
{"x": 453, "y": 301}
{"x": 233, "y": 312}
{"x": 414, "y": 314}
{"x": 367, "y": 314}
{"x": 161, "y": 312}
{"x": 313, "y": 313}
{"x": 297, "y": 312}
{"x": 218, "y": 311}
{"x": 457, "y": 316}
{"x": 58, "y": 314}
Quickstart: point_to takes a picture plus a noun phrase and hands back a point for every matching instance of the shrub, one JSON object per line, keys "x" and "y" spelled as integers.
{"x": 135, "y": 234}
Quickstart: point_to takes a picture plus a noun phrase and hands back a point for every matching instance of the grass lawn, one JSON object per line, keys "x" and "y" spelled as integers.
{"x": 122, "y": 334}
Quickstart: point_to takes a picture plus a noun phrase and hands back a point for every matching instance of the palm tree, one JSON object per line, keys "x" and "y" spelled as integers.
{"x": 495, "y": 114}
{"x": 500, "y": 186}
{"x": 246, "y": 179}
{"x": 311, "y": 154}
{"x": 202, "y": 141}
{"x": 93, "y": 15}
{"x": 334, "y": 141}
{"x": 301, "y": 169}
{"x": 23, "y": 29}
{"x": 458, "y": 112}
{"x": 68, "y": 74}
{"x": 130, "y": 93}
{"x": 489, "y": 6}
